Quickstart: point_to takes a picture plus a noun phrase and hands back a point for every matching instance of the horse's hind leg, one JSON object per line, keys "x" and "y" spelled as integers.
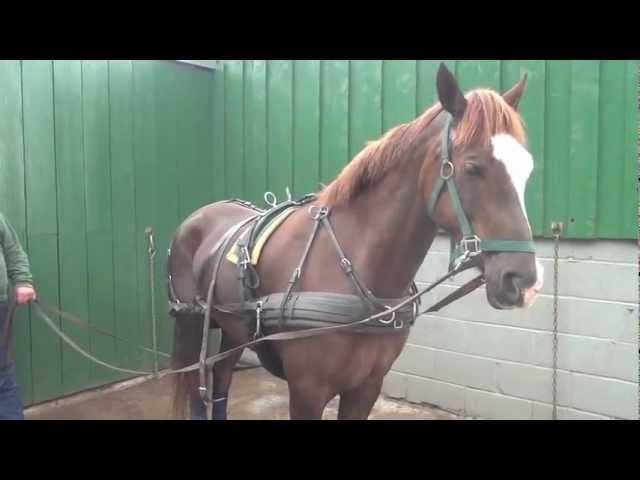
{"x": 356, "y": 404}
{"x": 222, "y": 376}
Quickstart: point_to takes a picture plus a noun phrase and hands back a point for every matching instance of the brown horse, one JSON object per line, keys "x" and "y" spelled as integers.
{"x": 380, "y": 218}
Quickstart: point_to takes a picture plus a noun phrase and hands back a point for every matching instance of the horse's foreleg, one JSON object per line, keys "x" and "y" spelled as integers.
{"x": 356, "y": 404}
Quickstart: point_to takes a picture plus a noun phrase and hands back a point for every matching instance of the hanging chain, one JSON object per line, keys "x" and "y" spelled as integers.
{"x": 556, "y": 229}
{"x": 152, "y": 253}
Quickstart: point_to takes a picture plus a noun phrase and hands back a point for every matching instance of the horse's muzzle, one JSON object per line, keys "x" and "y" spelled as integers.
{"x": 515, "y": 284}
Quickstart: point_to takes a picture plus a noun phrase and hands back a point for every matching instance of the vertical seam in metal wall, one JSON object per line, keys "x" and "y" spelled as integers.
{"x": 546, "y": 231}
{"x": 26, "y": 217}
{"x": 292, "y": 185}
{"x": 212, "y": 106}
{"x": 177, "y": 164}
{"x": 243, "y": 144}
{"x": 594, "y": 233}
{"x": 349, "y": 110}
{"x": 320, "y": 117}
{"x": 416, "y": 106}
{"x": 317, "y": 182}
{"x": 383, "y": 127}
{"x": 543, "y": 177}
{"x": 135, "y": 206}
{"x": 267, "y": 122}
{"x": 568, "y": 154}
{"x": 55, "y": 166}
{"x": 596, "y": 221}
{"x": 86, "y": 239}
{"x": 110, "y": 164}
{"x": 224, "y": 138}
{"x": 380, "y": 128}
{"x": 636, "y": 160}
{"x": 244, "y": 132}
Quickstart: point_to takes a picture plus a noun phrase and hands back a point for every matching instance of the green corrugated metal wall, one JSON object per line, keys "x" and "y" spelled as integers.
{"x": 91, "y": 153}
{"x": 296, "y": 123}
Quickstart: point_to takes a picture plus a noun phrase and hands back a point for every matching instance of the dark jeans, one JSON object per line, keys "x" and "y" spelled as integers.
{"x": 10, "y": 396}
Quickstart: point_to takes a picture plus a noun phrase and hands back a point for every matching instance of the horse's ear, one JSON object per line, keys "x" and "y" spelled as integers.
{"x": 513, "y": 96}
{"x": 449, "y": 93}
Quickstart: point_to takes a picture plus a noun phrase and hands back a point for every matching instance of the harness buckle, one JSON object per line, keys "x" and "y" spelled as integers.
{"x": 245, "y": 258}
{"x": 295, "y": 276}
{"x": 346, "y": 265}
{"x": 471, "y": 246}
{"x": 258, "y": 319}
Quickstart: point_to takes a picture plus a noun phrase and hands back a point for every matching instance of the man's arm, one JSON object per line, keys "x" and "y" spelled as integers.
{"x": 18, "y": 268}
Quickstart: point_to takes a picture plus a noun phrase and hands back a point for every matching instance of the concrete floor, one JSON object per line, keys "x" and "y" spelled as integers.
{"x": 255, "y": 395}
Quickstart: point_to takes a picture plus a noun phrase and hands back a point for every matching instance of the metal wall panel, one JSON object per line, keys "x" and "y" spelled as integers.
{"x": 580, "y": 117}
{"x": 91, "y": 153}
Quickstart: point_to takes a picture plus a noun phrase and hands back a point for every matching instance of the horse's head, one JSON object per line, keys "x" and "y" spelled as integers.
{"x": 485, "y": 157}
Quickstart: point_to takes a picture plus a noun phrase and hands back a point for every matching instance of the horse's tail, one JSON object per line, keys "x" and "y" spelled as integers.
{"x": 187, "y": 339}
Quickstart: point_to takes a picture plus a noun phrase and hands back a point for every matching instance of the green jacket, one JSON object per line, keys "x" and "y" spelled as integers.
{"x": 14, "y": 264}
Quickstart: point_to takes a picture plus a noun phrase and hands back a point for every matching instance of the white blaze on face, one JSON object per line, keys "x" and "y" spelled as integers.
{"x": 518, "y": 163}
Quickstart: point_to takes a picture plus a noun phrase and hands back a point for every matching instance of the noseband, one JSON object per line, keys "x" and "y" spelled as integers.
{"x": 470, "y": 245}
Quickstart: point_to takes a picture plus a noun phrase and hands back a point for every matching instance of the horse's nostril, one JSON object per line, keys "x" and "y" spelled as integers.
{"x": 509, "y": 279}
{"x": 510, "y": 286}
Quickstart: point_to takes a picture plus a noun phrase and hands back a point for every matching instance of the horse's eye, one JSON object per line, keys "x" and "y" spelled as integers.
{"x": 473, "y": 169}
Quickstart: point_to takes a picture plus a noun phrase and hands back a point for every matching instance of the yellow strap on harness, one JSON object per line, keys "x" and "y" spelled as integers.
{"x": 233, "y": 257}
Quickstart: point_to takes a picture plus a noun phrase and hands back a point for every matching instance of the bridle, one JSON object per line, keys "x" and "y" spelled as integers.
{"x": 470, "y": 244}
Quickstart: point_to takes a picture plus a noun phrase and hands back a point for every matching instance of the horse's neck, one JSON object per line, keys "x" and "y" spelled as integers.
{"x": 391, "y": 232}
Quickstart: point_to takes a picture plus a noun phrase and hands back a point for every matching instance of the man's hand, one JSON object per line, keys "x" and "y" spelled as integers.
{"x": 25, "y": 294}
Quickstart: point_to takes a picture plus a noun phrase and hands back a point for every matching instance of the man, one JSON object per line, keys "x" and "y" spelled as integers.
{"x": 14, "y": 267}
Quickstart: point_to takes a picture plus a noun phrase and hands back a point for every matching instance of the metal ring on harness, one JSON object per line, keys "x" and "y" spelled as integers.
{"x": 321, "y": 212}
{"x": 396, "y": 323}
{"x": 451, "y": 171}
{"x": 270, "y": 196}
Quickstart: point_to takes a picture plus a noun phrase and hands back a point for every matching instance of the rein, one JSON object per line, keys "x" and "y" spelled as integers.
{"x": 44, "y": 310}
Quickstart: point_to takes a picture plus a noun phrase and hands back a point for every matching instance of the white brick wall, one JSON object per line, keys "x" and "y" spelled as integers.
{"x": 485, "y": 363}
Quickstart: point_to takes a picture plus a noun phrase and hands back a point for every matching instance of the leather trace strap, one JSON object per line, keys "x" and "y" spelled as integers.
{"x": 470, "y": 245}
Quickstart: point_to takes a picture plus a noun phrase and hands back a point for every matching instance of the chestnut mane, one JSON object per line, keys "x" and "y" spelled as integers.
{"x": 487, "y": 114}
